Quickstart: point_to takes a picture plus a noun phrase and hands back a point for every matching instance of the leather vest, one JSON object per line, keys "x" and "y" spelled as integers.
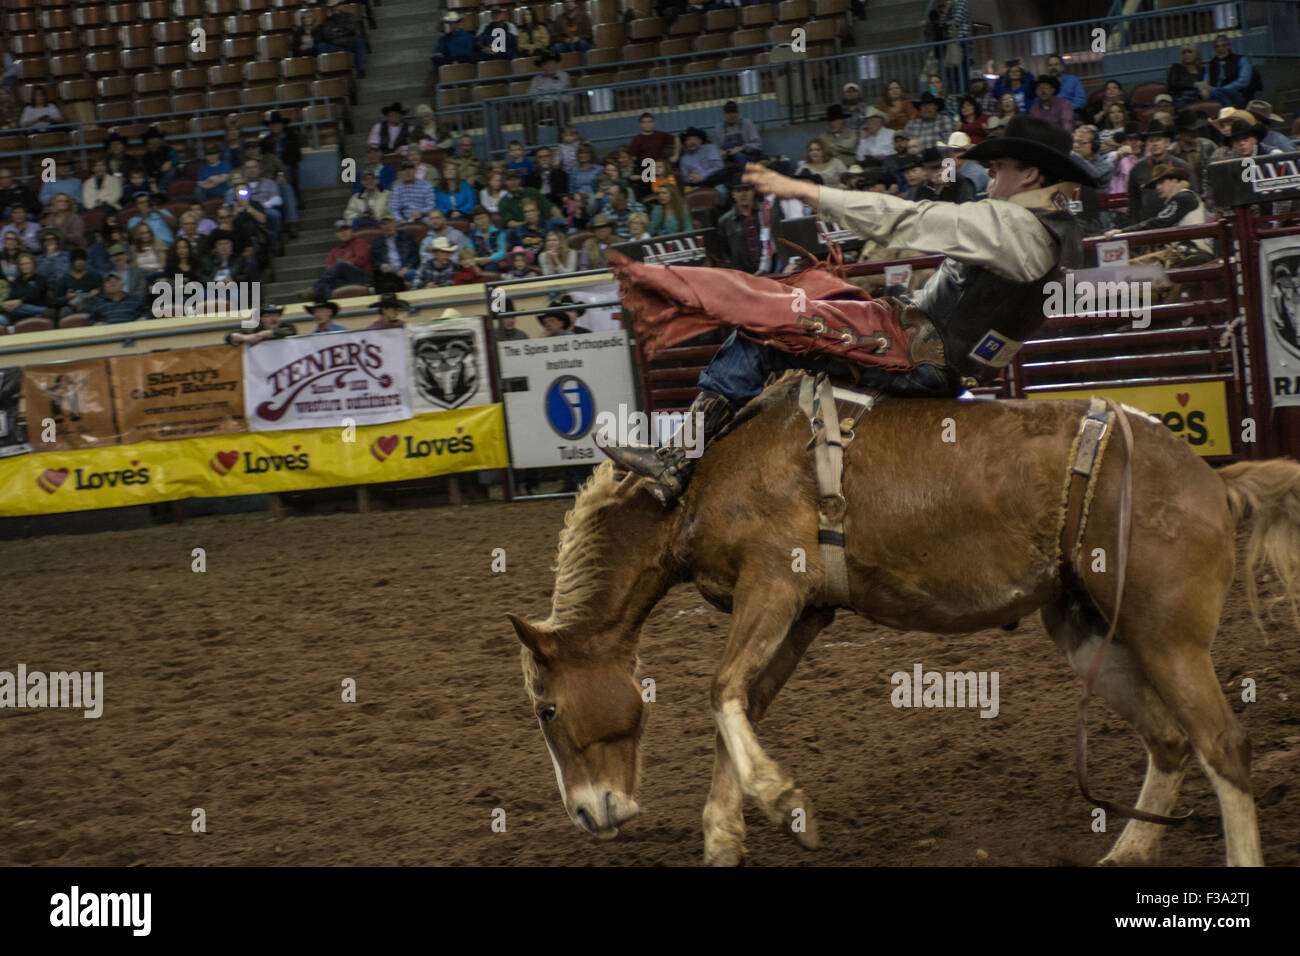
{"x": 982, "y": 317}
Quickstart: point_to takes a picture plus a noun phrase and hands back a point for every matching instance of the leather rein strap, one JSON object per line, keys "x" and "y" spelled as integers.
{"x": 1092, "y": 432}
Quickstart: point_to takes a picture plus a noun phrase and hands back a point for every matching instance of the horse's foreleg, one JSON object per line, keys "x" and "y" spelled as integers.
{"x": 724, "y": 819}
{"x": 757, "y": 639}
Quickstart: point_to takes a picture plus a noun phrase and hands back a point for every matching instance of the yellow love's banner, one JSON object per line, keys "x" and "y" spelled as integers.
{"x": 1197, "y": 412}
{"x": 250, "y": 463}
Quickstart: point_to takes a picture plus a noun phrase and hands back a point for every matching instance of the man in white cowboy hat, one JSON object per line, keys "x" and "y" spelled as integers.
{"x": 956, "y": 147}
{"x": 875, "y": 139}
{"x": 456, "y": 45}
{"x": 1262, "y": 110}
{"x": 961, "y": 328}
{"x": 441, "y": 268}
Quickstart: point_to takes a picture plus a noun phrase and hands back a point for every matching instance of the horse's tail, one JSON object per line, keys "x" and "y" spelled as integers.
{"x": 1267, "y": 494}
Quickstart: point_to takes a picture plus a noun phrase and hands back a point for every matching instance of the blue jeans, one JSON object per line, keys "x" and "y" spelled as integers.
{"x": 741, "y": 366}
{"x": 356, "y": 46}
{"x": 290, "y": 201}
{"x": 21, "y": 312}
{"x": 339, "y": 274}
{"x": 577, "y": 46}
{"x": 1228, "y": 97}
{"x": 212, "y": 192}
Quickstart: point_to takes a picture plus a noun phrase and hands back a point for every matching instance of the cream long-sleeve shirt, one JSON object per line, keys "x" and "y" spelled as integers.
{"x": 1001, "y": 235}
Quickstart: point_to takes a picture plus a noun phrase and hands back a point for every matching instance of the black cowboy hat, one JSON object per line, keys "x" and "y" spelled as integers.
{"x": 910, "y": 161}
{"x": 928, "y": 97}
{"x": 1241, "y": 128}
{"x": 568, "y": 301}
{"x": 931, "y": 157}
{"x": 1050, "y": 80}
{"x": 1158, "y": 128}
{"x": 324, "y": 304}
{"x": 1133, "y": 130}
{"x": 562, "y": 316}
{"x": 216, "y": 235}
{"x": 269, "y": 309}
{"x": 695, "y": 131}
{"x": 836, "y": 112}
{"x": 1187, "y": 120}
{"x": 153, "y": 132}
{"x": 390, "y": 300}
{"x": 1036, "y": 142}
{"x": 394, "y": 107}
{"x": 275, "y": 117}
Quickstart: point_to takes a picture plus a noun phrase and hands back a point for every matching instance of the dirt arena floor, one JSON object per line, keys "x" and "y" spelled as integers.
{"x": 223, "y": 691}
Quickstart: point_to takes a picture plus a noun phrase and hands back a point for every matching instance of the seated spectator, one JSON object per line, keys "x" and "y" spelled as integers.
{"x": 638, "y": 227}
{"x": 618, "y": 205}
{"x": 412, "y": 153}
{"x": 13, "y": 248}
{"x": 1126, "y": 157}
{"x": 389, "y": 305}
{"x": 531, "y": 233}
{"x": 670, "y": 214}
{"x": 134, "y": 186}
{"x": 1071, "y": 85}
{"x": 521, "y": 264}
{"x": 12, "y": 193}
{"x": 506, "y": 330}
{"x": 28, "y": 292}
{"x": 566, "y": 154}
{"x": 979, "y": 89}
{"x": 322, "y": 313}
{"x": 63, "y": 184}
{"x": 283, "y": 144}
{"x": 701, "y": 162}
{"x": 148, "y": 253}
{"x": 340, "y": 32}
{"x": 548, "y": 179}
{"x": 182, "y": 260}
{"x": 385, "y": 175}
{"x": 1110, "y": 133}
{"x": 572, "y": 30}
{"x": 159, "y": 160}
{"x": 1145, "y": 204}
{"x": 958, "y": 144}
{"x": 224, "y": 265}
{"x": 18, "y": 223}
{"x": 76, "y": 289}
{"x": 214, "y": 174}
{"x": 302, "y": 41}
{"x": 1262, "y": 112}
{"x": 1017, "y": 81}
{"x": 348, "y": 263}
{"x": 425, "y": 130}
{"x": 392, "y": 133}
{"x": 489, "y": 197}
{"x": 269, "y": 326}
{"x": 1112, "y": 92}
{"x": 736, "y": 138}
{"x": 487, "y": 241}
{"x": 854, "y": 107}
{"x": 898, "y": 108}
{"x": 469, "y": 272}
{"x": 439, "y": 229}
{"x": 133, "y": 280}
{"x": 935, "y": 187}
{"x": 454, "y": 195}
{"x": 533, "y": 36}
{"x": 549, "y": 89}
{"x": 556, "y": 323}
{"x": 817, "y": 162}
{"x": 456, "y": 45}
{"x": 651, "y": 144}
{"x": 393, "y": 255}
{"x": 116, "y": 305}
{"x": 158, "y": 220}
{"x": 411, "y": 198}
{"x": 440, "y": 269}
{"x": 41, "y": 114}
{"x": 840, "y": 143}
{"x": 371, "y": 204}
{"x": 930, "y": 127}
{"x": 516, "y": 161}
{"x": 1087, "y": 155}
{"x": 1049, "y": 106}
{"x": 1184, "y": 76}
{"x": 499, "y": 38}
{"x": 596, "y": 249}
{"x": 467, "y": 163}
{"x": 582, "y": 182}
{"x": 63, "y": 218}
{"x": 740, "y": 228}
{"x": 511, "y": 208}
{"x": 53, "y": 263}
{"x": 875, "y": 139}
{"x": 972, "y": 120}
{"x": 557, "y": 258}
{"x": 1231, "y": 80}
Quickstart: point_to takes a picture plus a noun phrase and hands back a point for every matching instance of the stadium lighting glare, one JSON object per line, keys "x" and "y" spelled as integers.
{"x": 868, "y": 67}
{"x": 600, "y": 101}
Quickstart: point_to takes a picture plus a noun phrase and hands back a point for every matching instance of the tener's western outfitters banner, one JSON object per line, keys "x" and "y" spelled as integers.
{"x": 439, "y": 443}
{"x": 180, "y": 393}
{"x": 1197, "y": 412}
{"x": 322, "y": 380}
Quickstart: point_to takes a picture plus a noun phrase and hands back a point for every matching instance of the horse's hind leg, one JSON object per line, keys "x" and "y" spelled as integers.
{"x": 759, "y": 627}
{"x": 724, "y": 818}
{"x": 1124, "y": 687}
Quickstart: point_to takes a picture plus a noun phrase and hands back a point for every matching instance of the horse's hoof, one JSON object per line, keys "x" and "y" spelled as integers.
{"x": 724, "y": 853}
{"x": 797, "y": 813}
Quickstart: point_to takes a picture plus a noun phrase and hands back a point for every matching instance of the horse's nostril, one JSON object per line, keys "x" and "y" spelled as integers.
{"x": 584, "y": 820}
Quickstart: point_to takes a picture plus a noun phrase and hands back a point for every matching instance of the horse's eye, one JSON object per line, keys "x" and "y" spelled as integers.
{"x": 548, "y": 714}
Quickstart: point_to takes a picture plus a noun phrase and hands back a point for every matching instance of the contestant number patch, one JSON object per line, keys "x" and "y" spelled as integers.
{"x": 995, "y": 349}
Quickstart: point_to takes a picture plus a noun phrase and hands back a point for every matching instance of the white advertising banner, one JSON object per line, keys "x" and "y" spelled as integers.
{"x": 323, "y": 380}
{"x": 553, "y": 389}
{"x": 605, "y": 318}
{"x": 1279, "y": 283}
{"x": 449, "y": 367}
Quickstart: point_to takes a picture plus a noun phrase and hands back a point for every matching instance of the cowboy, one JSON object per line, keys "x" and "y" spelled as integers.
{"x": 389, "y": 304}
{"x": 1262, "y": 111}
{"x": 960, "y": 329}
{"x": 1050, "y": 105}
{"x": 841, "y": 142}
{"x": 1193, "y": 148}
{"x": 957, "y": 147}
{"x": 269, "y": 326}
{"x": 1182, "y": 207}
{"x": 1144, "y": 205}
{"x": 456, "y": 45}
{"x": 440, "y": 269}
{"x": 392, "y": 133}
{"x": 322, "y": 313}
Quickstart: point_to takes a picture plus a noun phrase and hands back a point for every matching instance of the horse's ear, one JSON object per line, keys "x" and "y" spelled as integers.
{"x": 534, "y": 638}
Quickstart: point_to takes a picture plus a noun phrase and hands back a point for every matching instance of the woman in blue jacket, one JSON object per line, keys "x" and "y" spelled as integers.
{"x": 454, "y": 195}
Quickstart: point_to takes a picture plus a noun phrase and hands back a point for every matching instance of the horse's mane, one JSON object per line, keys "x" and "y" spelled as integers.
{"x": 578, "y": 567}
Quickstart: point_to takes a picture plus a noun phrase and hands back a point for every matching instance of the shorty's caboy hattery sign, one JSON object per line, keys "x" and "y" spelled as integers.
{"x": 318, "y": 381}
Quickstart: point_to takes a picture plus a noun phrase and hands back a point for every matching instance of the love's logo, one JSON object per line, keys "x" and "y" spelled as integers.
{"x": 384, "y": 446}
{"x": 223, "y": 461}
{"x": 50, "y": 480}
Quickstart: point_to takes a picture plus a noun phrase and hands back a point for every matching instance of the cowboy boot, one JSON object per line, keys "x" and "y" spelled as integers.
{"x": 669, "y": 467}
